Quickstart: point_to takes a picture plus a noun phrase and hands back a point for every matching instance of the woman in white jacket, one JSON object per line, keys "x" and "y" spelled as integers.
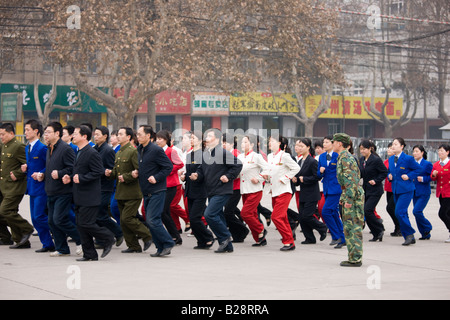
{"x": 251, "y": 176}
{"x": 282, "y": 168}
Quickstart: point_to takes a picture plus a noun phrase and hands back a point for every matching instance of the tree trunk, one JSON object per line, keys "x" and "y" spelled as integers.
{"x": 309, "y": 128}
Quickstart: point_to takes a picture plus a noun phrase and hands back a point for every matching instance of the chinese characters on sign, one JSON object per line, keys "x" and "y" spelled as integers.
{"x": 262, "y": 103}
{"x": 207, "y": 104}
{"x": 353, "y": 108}
{"x": 167, "y": 102}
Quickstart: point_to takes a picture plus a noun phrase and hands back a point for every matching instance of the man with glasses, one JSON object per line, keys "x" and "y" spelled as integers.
{"x": 60, "y": 160}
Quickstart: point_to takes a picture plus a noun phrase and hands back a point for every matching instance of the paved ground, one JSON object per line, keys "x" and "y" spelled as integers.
{"x": 389, "y": 271}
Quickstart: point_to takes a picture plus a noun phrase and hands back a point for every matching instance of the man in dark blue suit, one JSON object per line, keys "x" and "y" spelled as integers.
{"x": 403, "y": 170}
{"x": 86, "y": 176}
{"x": 36, "y": 154}
{"x": 332, "y": 192}
{"x": 154, "y": 168}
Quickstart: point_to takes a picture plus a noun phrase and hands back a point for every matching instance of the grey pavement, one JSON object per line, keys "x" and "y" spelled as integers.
{"x": 389, "y": 271}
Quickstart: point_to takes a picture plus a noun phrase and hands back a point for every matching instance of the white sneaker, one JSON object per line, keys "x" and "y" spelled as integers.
{"x": 448, "y": 240}
{"x": 58, "y": 254}
{"x": 79, "y": 250}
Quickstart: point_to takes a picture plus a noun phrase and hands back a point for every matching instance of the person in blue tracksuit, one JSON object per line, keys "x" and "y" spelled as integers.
{"x": 36, "y": 154}
{"x": 332, "y": 192}
{"x": 403, "y": 170}
{"x": 423, "y": 191}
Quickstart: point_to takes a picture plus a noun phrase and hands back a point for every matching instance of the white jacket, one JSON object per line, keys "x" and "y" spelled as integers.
{"x": 282, "y": 168}
{"x": 254, "y": 166}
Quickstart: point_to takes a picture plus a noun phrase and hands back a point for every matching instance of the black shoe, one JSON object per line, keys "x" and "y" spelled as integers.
{"x": 396, "y": 233}
{"x": 25, "y": 238}
{"x": 379, "y": 237}
{"x": 204, "y": 246}
{"x": 288, "y": 247}
{"x": 119, "y": 241}
{"x": 409, "y": 240}
{"x": 6, "y": 242}
{"x": 225, "y": 246}
{"x": 323, "y": 235}
{"x": 147, "y": 244}
{"x": 350, "y": 264}
{"x": 340, "y": 245}
{"x": 26, "y": 245}
{"x": 128, "y": 250}
{"x": 426, "y": 236}
{"x": 260, "y": 243}
{"x": 107, "y": 249}
{"x": 162, "y": 253}
{"x": 178, "y": 241}
{"x": 52, "y": 249}
{"x": 308, "y": 242}
{"x": 87, "y": 259}
{"x": 334, "y": 242}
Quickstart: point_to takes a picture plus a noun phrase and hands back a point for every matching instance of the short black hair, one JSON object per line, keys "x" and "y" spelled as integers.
{"x": 70, "y": 129}
{"x": 9, "y": 127}
{"x": 36, "y": 125}
{"x": 57, "y": 127}
{"x": 164, "y": 134}
{"x": 128, "y": 131}
{"x": 104, "y": 130}
{"x": 85, "y": 131}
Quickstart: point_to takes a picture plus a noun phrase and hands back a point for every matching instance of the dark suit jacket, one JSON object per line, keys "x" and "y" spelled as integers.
{"x": 60, "y": 159}
{"x": 216, "y": 163}
{"x": 309, "y": 188}
{"x": 88, "y": 165}
{"x": 108, "y": 158}
{"x": 374, "y": 169}
{"x": 194, "y": 189}
{"x": 153, "y": 161}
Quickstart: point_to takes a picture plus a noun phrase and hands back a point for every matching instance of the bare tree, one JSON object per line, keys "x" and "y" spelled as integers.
{"x": 145, "y": 47}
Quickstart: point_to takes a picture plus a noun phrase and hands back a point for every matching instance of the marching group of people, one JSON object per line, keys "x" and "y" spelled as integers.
{"x": 101, "y": 194}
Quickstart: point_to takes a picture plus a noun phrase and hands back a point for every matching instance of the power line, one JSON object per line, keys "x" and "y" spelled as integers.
{"x": 382, "y": 16}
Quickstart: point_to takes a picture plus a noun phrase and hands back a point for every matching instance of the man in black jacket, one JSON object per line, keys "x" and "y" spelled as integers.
{"x": 60, "y": 159}
{"x": 101, "y": 136}
{"x": 218, "y": 171}
{"x": 154, "y": 167}
{"x": 86, "y": 175}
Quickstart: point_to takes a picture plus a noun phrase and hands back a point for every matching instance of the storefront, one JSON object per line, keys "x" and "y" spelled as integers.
{"x": 87, "y": 111}
{"x": 173, "y": 110}
{"x": 347, "y": 114}
{"x": 209, "y": 110}
{"x": 263, "y": 111}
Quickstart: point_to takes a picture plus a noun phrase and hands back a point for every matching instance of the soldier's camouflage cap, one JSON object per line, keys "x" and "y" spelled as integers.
{"x": 342, "y": 137}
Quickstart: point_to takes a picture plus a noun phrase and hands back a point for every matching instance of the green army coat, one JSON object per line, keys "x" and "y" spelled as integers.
{"x": 12, "y": 158}
{"x": 126, "y": 161}
{"x": 348, "y": 176}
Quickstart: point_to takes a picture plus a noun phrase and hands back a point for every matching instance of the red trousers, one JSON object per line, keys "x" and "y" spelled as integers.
{"x": 249, "y": 213}
{"x": 280, "y": 204}
{"x": 176, "y": 211}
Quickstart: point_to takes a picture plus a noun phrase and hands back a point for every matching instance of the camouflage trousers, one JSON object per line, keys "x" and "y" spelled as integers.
{"x": 353, "y": 220}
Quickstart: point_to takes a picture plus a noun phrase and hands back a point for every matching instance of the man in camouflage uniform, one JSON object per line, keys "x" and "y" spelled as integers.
{"x": 352, "y": 200}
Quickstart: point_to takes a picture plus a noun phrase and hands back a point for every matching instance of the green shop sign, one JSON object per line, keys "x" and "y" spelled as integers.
{"x": 65, "y": 96}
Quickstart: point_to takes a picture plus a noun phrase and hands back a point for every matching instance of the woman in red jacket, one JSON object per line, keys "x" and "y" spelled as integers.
{"x": 163, "y": 140}
{"x": 441, "y": 174}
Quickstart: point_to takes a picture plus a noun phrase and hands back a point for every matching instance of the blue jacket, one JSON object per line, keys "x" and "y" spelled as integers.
{"x": 35, "y": 163}
{"x": 423, "y": 188}
{"x": 405, "y": 165}
{"x": 329, "y": 178}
